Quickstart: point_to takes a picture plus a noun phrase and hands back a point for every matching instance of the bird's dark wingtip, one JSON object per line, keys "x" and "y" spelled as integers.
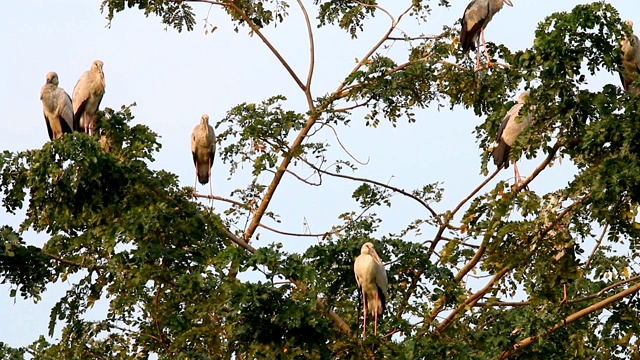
{"x": 501, "y": 154}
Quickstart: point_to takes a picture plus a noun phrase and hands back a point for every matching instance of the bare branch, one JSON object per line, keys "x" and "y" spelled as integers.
{"x": 257, "y": 31}
{"x": 311, "y": 55}
{"x": 335, "y": 133}
{"x": 392, "y": 188}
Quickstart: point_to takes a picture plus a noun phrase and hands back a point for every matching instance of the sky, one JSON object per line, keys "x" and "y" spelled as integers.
{"x": 174, "y": 78}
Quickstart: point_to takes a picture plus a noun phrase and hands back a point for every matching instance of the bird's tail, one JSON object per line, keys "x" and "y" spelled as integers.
{"x": 203, "y": 173}
{"x": 66, "y": 127}
{"x": 501, "y": 154}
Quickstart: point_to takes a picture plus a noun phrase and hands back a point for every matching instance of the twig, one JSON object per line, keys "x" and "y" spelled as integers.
{"x": 445, "y": 224}
{"x": 392, "y": 188}
{"x": 335, "y": 133}
{"x": 595, "y": 248}
{"x": 470, "y": 301}
{"x": 257, "y": 31}
{"x": 157, "y": 301}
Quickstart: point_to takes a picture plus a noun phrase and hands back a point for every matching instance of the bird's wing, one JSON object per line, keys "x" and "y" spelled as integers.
{"x": 80, "y": 97}
{"x": 503, "y": 125}
{"x": 65, "y": 109}
{"x": 356, "y": 269}
{"x": 46, "y": 120}
{"x": 475, "y": 17}
{"x": 212, "y": 141}
{"x": 381, "y": 279}
{"x": 383, "y": 285}
{"x": 193, "y": 145}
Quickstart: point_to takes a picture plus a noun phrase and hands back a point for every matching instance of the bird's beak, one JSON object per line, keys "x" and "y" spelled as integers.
{"x": 508, "y": 2}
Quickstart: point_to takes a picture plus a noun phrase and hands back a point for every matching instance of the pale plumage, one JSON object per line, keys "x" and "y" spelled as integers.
{"x": 512, "y": 125}
{"x": 56, "y": 106}
{"x": 371, "y": 278}
{"x": 630, "y": 62}
{"x": 476, "y": 17}
{"x": 87, "y": 96}
{"x": 203, "y": 149}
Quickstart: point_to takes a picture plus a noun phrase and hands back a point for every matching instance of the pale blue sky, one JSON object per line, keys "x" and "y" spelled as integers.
{"x": 174, "y": 78}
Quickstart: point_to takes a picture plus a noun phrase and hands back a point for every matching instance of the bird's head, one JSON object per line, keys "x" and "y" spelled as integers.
{"x": 368, "y": 249}
{"x": 52, "y": 78}
{"x": 204, "y": 120}
{"x": 508, "y": 2}
{"x": 523, "y": 97}
{"x": 96, "y": 66}
{"x": 625, "y": 42}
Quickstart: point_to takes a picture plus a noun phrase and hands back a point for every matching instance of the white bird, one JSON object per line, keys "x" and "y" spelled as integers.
{"x": 56, "y": 105}
{"x": 372, "y": 283}
{"x": 87, "y": 96}
{"x": 512, "y": 125}
{"x": 630, "y": 62}
{"x": 203, "y": 149}
{"x": 475, "y": 19}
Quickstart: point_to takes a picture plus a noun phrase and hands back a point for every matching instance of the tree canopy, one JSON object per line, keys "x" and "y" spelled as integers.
{"x": 485, "y": 282}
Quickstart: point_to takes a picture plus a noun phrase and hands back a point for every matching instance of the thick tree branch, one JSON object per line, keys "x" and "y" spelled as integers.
{"x": 572, "y": 301}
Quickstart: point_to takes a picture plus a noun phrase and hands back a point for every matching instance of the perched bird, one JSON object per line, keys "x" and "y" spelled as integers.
{"x": 630, "y": 62}
{"x": 475, "y": 19}
{"x": 372, "y": 283}
{"x": 56, "y": 105}
{"x": 203, "y": 149}
{"x": 512, "y": 125}
{"x": 87, "y": 96}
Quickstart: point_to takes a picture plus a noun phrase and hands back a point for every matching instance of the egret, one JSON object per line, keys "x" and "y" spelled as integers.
{"x": 475, "y": 19}
{"x": 630, "y": 62}
{"x": 203, "y": 149}
{"x": 87, "y": 95}
{"x": 56, "y": 106}
{"x": 371, "y": 278}
{"x": 512, "y": 125}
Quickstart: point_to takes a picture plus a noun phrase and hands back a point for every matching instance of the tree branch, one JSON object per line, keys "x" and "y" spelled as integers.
{"x": 595, "y": 248}
{"x": 470, "y": 301}
{"x": 571, "y": 318}
{"x": 257, "y": 31}
{"x": 311, "y": 55}
{"x": 392, "y": 188}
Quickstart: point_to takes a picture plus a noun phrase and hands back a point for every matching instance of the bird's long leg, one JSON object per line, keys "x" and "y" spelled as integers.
{"x": 375, "y": 317}
{"x": 195, "y": 181}
{"x": 564, "y": 291}
{"x": 516, "y": 173}
{"x": 93, "y": 118}
{"x": 478, "y": 54}
{"x": 484, "y": 45}
{"x": 364, "y": 325}
{"x": 86, "y": 124}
